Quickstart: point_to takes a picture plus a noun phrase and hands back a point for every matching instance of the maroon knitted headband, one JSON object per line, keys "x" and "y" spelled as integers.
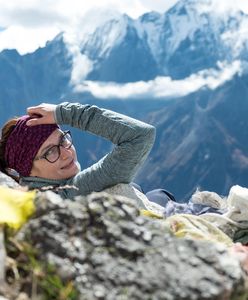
{"x": 23, "y": 144}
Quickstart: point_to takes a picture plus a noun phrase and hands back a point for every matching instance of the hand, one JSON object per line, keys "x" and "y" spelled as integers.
{"x": 42, "y": 114}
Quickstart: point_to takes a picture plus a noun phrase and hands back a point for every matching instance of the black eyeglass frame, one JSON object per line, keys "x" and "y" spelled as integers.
{"x": 44, "y": 156}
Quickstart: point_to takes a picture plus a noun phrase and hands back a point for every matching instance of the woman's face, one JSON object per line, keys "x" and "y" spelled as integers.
{"x": 65, "y": 167}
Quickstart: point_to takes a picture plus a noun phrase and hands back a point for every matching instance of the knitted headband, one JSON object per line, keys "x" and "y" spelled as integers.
{"x": 23, "y": 144}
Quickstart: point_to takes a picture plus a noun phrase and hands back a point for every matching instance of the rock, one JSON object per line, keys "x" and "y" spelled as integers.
{"x": 6, "y": 180}
{"x": 2, "y": 257}
{"x": 109, "y": 251}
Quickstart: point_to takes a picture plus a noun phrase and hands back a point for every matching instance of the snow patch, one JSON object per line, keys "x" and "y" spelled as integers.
{"x": 152, "y": 29}
{"x": 98, "y": 32}
{"x": 236, "y": 38}
{"x": 182, "y": 27}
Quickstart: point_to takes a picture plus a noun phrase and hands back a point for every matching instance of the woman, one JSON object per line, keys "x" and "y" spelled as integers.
{"x": 43, "y": 155}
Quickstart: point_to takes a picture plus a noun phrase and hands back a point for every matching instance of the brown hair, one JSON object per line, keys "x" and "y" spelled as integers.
{"x": 6, "y": 131}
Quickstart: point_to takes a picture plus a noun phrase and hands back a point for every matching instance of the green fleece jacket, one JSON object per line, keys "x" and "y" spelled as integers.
{"x": 133, "y": 141}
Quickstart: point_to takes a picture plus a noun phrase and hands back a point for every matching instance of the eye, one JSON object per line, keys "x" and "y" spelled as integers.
{"x": 52, "y": 151}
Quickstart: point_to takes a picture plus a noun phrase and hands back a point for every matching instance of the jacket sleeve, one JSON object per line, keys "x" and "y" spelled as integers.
{"x": 133, "y": 141}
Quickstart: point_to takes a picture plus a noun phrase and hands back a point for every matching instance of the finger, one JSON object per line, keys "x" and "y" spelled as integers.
{"x": 34, "y": 110}
{"x": 35, "y": 121}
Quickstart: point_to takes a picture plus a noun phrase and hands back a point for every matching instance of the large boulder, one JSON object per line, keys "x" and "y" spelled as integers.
{"x": 103, "y": 245}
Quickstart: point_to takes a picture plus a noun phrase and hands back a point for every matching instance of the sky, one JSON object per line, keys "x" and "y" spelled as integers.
{"x": 27, "y": 24}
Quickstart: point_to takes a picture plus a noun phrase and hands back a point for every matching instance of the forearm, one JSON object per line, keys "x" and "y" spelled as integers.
{"x": 113, "y": 126}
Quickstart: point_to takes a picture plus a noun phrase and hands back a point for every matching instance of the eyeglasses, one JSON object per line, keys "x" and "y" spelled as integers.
{"x": 53, "y": 153}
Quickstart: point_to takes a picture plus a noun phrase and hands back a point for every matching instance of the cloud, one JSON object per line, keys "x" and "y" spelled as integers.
{"x": 26, "y": 40}
{"x": 222, "y": 6}
{"x": 30, "y": 13}
{"x": 162, "y": 87}
{"x": 81, "y": 66}
{"x": 29, "y": 24}
{"x": 62, "y": 13}
{"x": 158, "y": 5}
{"x": 236, "y": 39}
{"x": 49, "y": 17}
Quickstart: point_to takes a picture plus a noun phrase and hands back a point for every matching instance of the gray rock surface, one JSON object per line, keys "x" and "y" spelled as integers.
{"x": 6, "y": 180}
{"x": 2, "y": 256}
{"x": 111, "y": 252}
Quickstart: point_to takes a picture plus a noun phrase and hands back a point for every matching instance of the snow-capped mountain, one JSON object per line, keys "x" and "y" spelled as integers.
{"x": 186, "y": 39}
{"x": 197, "y": 38}
{"x": 201, "y": 138}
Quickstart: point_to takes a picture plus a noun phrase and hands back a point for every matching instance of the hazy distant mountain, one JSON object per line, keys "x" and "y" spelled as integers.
{"x": 201, "y": 138}
{"x": 201, "y": 142}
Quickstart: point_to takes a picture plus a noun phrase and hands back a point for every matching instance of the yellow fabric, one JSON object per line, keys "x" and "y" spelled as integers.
{"x": 15, "y": 206}
{"x": 148, "y": 213}
{"x": 194, "y": 227}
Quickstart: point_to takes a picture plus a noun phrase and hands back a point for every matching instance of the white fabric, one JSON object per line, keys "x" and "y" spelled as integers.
{"x": 236, "y": 216}
{"x": 237, "y": 203}
{"x": 211, "y": 199}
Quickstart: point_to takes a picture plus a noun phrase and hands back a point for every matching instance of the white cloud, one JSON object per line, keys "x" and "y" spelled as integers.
{"x": 237, "y": 44}
{"x": 26, "y": 39}
{"x": 221, "y": 6}
{"x": 48, "y": 17}
{"x": 81, "y": 66}
{"x": 162, "y": 87}
{"x": 30, "y": 13}
{"x": 158, "y": 5}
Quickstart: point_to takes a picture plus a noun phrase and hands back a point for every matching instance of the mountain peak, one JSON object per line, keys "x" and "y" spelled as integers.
{"x": 98, "y": 31}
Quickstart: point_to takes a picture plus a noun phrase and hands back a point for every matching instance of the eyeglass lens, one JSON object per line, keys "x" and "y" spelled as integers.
{"x": 53, "y": 153}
